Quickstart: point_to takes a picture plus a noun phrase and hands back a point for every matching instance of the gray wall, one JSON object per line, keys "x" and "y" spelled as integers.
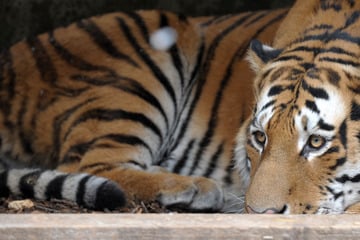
{"x": 22, "y": 18}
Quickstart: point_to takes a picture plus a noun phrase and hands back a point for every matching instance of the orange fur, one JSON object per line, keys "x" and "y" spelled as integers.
{"x": 55, "y": 124}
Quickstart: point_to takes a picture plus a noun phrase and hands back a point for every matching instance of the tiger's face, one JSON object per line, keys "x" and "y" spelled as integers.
{"x": 302, "y": 141}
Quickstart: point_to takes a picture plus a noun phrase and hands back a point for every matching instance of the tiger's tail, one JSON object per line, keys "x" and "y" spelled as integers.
{"x": 86, "y": 190}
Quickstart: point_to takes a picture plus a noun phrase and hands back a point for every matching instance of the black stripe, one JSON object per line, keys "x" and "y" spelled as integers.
{"x": 98, "y": 168}
{"x": 345, "y": 178}
{"x": 312, "y": 106}
{"x": 230, "y": 170}
{"x": 339, "y": 162}
{"x": 260, "y": 16}
{"x": 336, "y": 195}
{"x": 314, "y": 50}
{"x": 25, "y": 137}
{"x": 183, "y": 159}
{"x": 315, "y": 92}
{"x": 103, "y": 41}
{"x": 307, "y": 65}
{"x": 340, "y": 61}
{"x": 333, "y": 77}
{"x": 268, "y": 104}
{"x": 319, "y": 27}
{"x": 4, "y": 190}
{"x": 341, "y": 35}
{"x": 46, "y": 68}
{"x": 76, "y": 61}
{"x": 138, "y": 90}
{"x": 343, "y": 134}
{"x": 146, "y": 58}
{"x": 327, "y": 37}
{"x": 127, "y": 139}
{"x": 216, "y": 20}
{"x": 57, "y": 129}
{"x": 140, "y": 23}
{"x": 99, "y": 81}
{"x": 352, "y": 19}
{"x": 324, "y": 126}
{"x": 76, "y": 152}
{"x": 355, "y": 89}
{"x": 81, "y": 189}
{"x": 339, "y": 50}
{"x": 43, "y": 61}
{"x": 275, "y": 90}
{"x": 28, "y": 182}
{"x": 214, "y": 161}
{"x": 81, "y": 148}
{"x": 269, "y": 23}
{"x": 355, "y": 111}
{"x": 332, "y": 150}
{"x": 137, "y": 164}
{"x": 351, "y": 3}
{"x": 326, "y": 5}
{"x": 289, "y": 57}
{"x": 54, "y": 188}
{"x": 277, "y": 74}
{"x": 99, "y": 165}
{"x": 114, "y": 115}
{"x": 127, "y": 85}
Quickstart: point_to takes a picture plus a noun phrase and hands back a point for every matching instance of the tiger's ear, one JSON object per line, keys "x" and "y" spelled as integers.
{"x": 259, "y": 54}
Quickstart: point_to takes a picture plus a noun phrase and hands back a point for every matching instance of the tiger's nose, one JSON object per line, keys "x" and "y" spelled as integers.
{"x": 251, "y": 210}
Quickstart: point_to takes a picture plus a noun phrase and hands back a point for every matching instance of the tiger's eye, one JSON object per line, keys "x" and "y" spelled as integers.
{"x": 316, "y": 141}
{"x": 260, "y": 137}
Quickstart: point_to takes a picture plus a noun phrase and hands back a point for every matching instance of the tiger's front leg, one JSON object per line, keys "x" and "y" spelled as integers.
{"x": 141, "y": 182}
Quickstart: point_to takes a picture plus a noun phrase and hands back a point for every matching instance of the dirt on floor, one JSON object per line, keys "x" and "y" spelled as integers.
{"x": 16, "y": 205}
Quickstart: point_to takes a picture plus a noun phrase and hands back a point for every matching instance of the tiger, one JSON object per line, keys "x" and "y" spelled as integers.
{"x": 301, "y": 143}
{"x": 97, "y": 113}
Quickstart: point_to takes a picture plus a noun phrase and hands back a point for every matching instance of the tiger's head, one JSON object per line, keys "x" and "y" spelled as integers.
{"x": 302, "y": 142}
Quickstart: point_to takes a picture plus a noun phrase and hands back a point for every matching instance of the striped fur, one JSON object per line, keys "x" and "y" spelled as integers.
{"x": 302, "y": 142}
{"x": 96, "y": 98}
{"x": 84, "y": 189}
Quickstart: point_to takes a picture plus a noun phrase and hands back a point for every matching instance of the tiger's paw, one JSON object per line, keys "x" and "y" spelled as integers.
{"x": 198, "y": 194}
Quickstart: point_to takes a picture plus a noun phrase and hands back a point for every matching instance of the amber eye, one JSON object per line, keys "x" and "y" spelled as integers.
{"x": 316, "y": 141}
{"x": 260, "y": 138}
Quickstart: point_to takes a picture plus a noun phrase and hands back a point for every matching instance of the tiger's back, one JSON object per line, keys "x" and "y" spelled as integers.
{"x": 95, "y": 97}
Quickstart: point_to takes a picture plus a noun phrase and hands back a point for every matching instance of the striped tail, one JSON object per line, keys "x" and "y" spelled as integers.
{"x": 87, "y": 190}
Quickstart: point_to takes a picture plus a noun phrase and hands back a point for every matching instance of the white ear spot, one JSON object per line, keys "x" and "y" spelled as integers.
{"x": 163, "y": 39}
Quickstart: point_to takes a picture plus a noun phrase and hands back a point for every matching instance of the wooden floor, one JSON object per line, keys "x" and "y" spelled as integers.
{"x": 177, "y": 226}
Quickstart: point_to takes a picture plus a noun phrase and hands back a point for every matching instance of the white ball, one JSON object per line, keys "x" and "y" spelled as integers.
{"x": 163, "y": 39}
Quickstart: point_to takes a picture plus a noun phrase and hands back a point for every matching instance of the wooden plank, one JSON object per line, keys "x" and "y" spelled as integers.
{"x": 177, "y": 226}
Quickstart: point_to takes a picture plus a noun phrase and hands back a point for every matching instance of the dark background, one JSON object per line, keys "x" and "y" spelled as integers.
{"x": 22, "y": 18}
